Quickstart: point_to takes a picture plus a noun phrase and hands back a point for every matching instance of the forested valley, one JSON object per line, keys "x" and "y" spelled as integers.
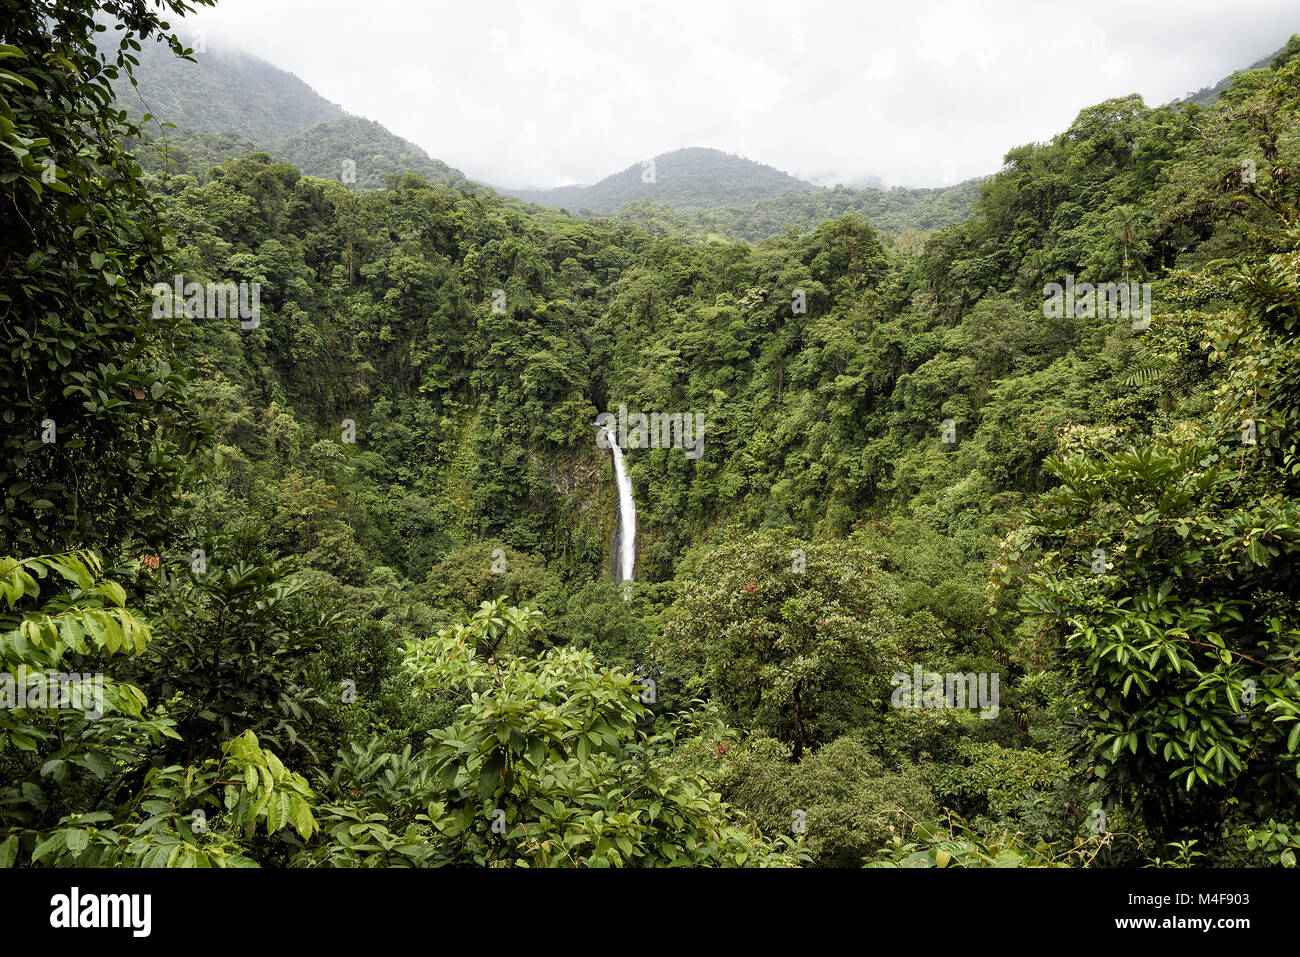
{"x": 344, "y": 565}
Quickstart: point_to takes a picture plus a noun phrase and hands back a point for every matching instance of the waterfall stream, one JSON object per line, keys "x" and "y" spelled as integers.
{"x": 626, "y": 516}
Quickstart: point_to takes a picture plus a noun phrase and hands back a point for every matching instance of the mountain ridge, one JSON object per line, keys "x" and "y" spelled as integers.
{"x": 1207, "y": 95}
{"x": 229, "y": 103}
{"x": 688, "y": 179}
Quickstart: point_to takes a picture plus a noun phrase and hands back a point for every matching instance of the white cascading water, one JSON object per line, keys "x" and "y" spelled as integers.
{"x": 627, "y": 515}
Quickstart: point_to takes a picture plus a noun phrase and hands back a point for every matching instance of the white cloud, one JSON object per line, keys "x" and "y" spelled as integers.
{"x": 519, "y": 93}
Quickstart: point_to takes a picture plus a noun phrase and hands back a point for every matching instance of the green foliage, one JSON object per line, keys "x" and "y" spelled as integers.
{"x": 96, "y": 437}
{"x": 378, "y": 154}
{"x": 90, "y": 618}
{"x": 542, "y": 766}
{"x": 790, "y": 637}
{"x": 483, "y": 571}
{"x": 841, "y": 803}
{"x": 953, "y": 844}
{"x": 1020, "y": 786}
{"x": 1186, "y": 646}
{"x": 900, "y": 212}
{"x": 236, "y": 648}
{"x": 402, "y": 585}
{"x": 189, "y": 817}
{"x": 82, "y": 787}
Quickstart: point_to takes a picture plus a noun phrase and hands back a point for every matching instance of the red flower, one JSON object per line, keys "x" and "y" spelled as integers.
{"x": 149, "y": 561}
{"x": 722, "y": 748}
{"x": 750, "y": 589}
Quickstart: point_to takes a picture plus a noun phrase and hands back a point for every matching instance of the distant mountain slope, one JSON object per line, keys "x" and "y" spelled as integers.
{"x": 1207, "y": 95}
{"x": 224, "y": 91}
{"x": 890, "y": 211}
{"x": 192, "y": 154}
{"x": 377, "y": 153}
{"x": 230, "y": 104}
{"x": 686, "y": 180}
{"x": 318, "y": 151}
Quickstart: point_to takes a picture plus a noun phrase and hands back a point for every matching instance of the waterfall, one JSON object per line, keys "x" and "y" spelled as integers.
{"x": 626, "y": 540}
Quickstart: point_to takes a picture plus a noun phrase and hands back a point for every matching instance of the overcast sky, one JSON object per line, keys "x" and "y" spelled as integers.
{"x": 917, "y": 93}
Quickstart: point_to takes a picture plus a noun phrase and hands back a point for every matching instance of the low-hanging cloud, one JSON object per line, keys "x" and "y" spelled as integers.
{"x": 917, "y": 94}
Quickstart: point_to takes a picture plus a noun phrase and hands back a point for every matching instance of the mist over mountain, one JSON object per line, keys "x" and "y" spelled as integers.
{"x": 1209, "y": 94}
{"x": 232, "y": 104}
{"x": 223, "y": 91}
{"x": 226, "y": 101}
